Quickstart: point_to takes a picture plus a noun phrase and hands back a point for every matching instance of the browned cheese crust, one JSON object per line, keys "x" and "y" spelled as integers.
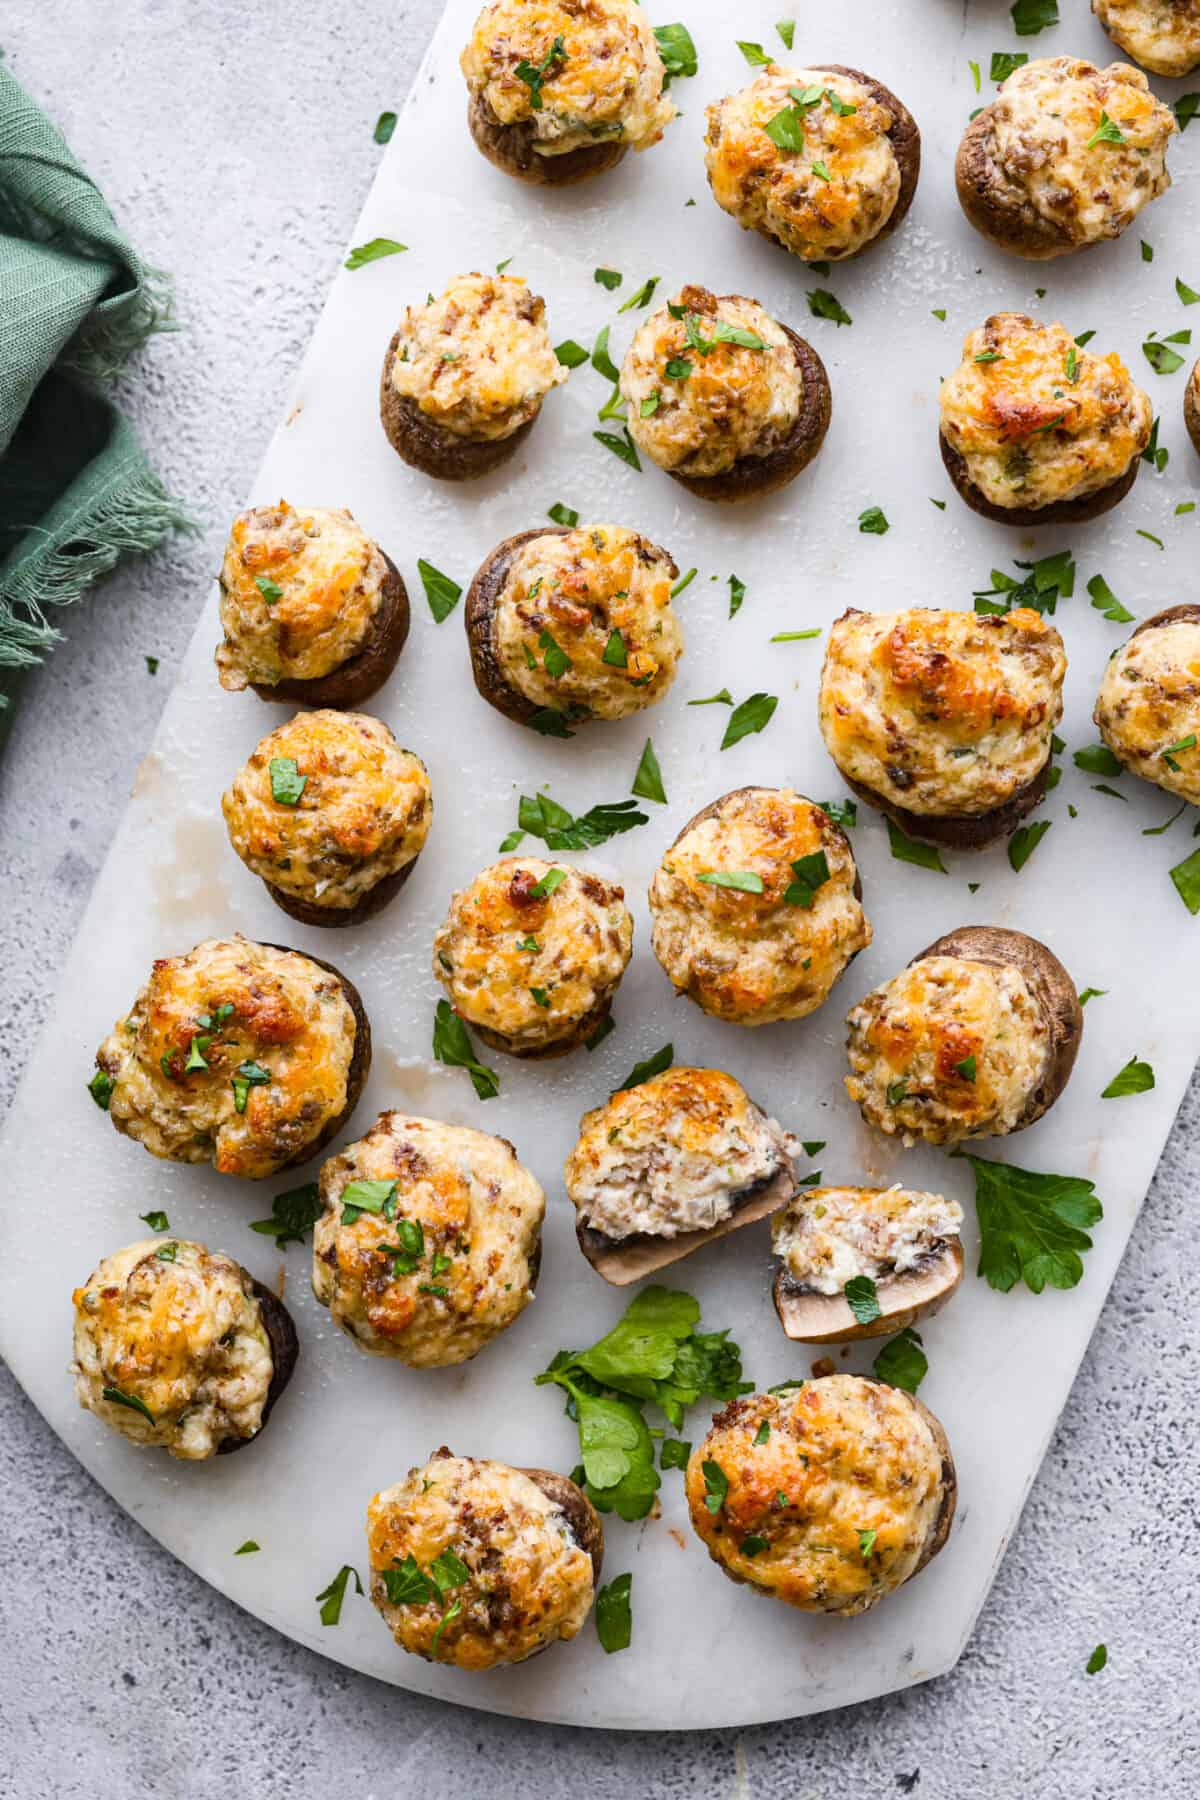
{"x": 753, "y": 476}
{"x": 364, "y": 673}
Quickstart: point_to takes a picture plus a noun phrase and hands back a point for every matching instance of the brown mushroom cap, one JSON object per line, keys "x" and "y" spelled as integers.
{"x": 998, "y": 208}
{"x": 1052, "y": 989}
{"x": 364, "y": 673}
{"x": 285, "y": 1349}
{"x": 479, "y": 614}
{"x": 1191, "y": 407}
{"x": 1187, "y": 612}
{"x": 581, "y": 1515}
{"x": 811, "y": 1318}
{"x": 624, "y": 1260}
{"x": 905, "y": 140}
{"x": 715, "y": 808}
{"x": 309, "y": 912}
{"x": 1059, "y": 512}
{"x": 945, "y": 1518}
{"x": 360, "y": 1060}
{"x": 511, "y": 148}
{"x": 430, "y": 448}
{"x": 750, "y": 477}
{"x": 959, "y": 831}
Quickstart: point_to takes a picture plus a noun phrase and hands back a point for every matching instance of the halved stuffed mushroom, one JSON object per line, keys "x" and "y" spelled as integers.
{"x": 1191, "y": 407}
{"x": 179, "y": 1348}
{"x": 430, "y": 1241}
{"x": 1036, "y": 431}
{"x": 1065, "y": 156}
{"x": 1148, "y": 707}
{"x": 477, "y": 1564}
{"x": 248, "y": 1056}
{"x": 828, "y": 1498}
{"x": 531, "y": 954}
{"x": 312, "y": 609}
{"x": 561, "y": 89}
{"x": 905, "y": 1243}
{"x": 757, "y": 907}
{"x": 1160, "y": 35}
{"x": 822, "y": 160}
{"x": 575, "y": 622}
{"x": 977, "y": 1037}
{"x": 662, "y": 1168}
{"x": 465, "y": 376}
{"x": 731, "y": 403}
{"x": 332, "y": 814}
{"x": 944, "y": 720}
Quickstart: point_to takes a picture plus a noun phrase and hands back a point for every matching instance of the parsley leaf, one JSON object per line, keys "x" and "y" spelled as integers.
{"x": 287, "y": 783}
{"x": 602, "y": 362}
{"x": 904, "y": 849}
{"x": 157, "y": 1221}
{"x": 385, "y": 124}
{"x": 1031, "y": 16}
{"x": 902, "y": 1361}
{"x": 653, "y": 1065}
{"x": 614, "y": 1614}
{"x": 1096, "y": 1660}
{"x": 452, "y": 1046}
{"x": 100, "y": 1087}
{"x": 737, "y": 593}
{"x": 372, "y": 252}
{"x": 608, "y": 278}
{"x": 293, "y": 1215}
{"x": 744, "y": 880}
{"x": 787, "y": 31}
{"x": 1135, "y": 1078}
{"x": 1032, "y": 1227}
{"x": 862, "y": 1299}
{"x": 873, "y": 522}
{"x": 754, "y": 54}
{"x": 1004, "y": 62}
{"x": 570, "y": 354}
{"x": 534, "y": 74}
{"x": 824, "y": 305}
{"x": 643, "y": 296}
{"x": 811, "y": 873}
{"x": 648, "y": 781}
{"x": 541, "y": 817}
{"x": 563, "y": 515}
{"x": 117, "y": 1397}
{"x": 1024, "y": 841}
{"x": 1107, "y": 132}
{"x": 622, "y": 446}
{"x": 750, "y": 716}
{"x": 441, "y": 592}
{"x": 330, "y": 1599}
{"x": 1098, "y": 759}
{"x": 677, "y": 50}
{"x": 1186, "y": 877}
{"x": 724, "y": 698}
{"x": 1105, "y": 601}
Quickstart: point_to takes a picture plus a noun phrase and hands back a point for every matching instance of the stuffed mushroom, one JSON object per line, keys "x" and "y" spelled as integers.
{"x": 728, "y": 401}
{"x": 822, "y": 160}
{"x": 465, "y": 376}
{"x": 1148, "y": 708}
{"x": 671, "y": 1164}
{"x": 430, "y": 1240}
{"x": 312, "y": 610}
{"x": 905, "y": 1243}
{"x": 248, "y": 1056}
{"x": 477, "y": 1564}
{"x": 977, "y": 1037}
{"x": 1160, "y": 35}
{"x": 1065, "y": 156}
{"x": 574, "y": 623}
{"x": 757, "y": 907}
{"x": 944, "y": 720}
{"x": 1191, "y": 407}
{"x": 179, "y": 1348}
{"x": 828, "y": 1498}
{"x": 561, "y": 89}
{"x": 332, "y": 814}
{"x": 1036, "y": 431}
{"x": 531, "y": 954}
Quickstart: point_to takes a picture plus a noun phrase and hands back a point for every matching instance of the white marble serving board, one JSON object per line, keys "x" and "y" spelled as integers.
{"x": 704, "y": 1652}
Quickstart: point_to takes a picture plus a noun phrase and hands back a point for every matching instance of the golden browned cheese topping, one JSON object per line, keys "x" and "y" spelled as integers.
{"x": 1148, "y": 708}
{"x": 1162, "y": 35}
{"x": 363, "y": 811}
{"x": 599, "y": 596}
{"x": 942, "y": 712}
{"x": 772, "y": 944}
{"x": 835, "y": 1506}
{"x": 300, "y": 588}
{"x": 530, "y": 957}
{"x": 177, "y": 1331}
{"x": 503, "y": 1574}
{"x": 235, "y": 1053}
{"x": 681, "y": 1152}
{"x": 1050, "y": 149}
{"x": 478, "y": 360}
{"x": 438, "y": 1253}
{"x": 948, "y": 1049}
{"x": 804, "y": 156}
{"x": 715, "y": 384}
{"x": 1038, "y": 420}
{"x": 573, "y": 72}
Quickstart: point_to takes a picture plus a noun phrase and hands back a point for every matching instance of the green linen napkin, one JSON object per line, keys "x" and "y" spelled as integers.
{"x": 76, "y": 493}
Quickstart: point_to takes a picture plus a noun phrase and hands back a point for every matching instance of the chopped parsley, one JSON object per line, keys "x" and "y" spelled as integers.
{"x": 441, "y": 592}
{"x": 873, "y": 522}
{"x": 358, "y": 1197}
{"x": 287, "y": 783}
{"x": 452, "y": 1046}
{"x": 1107, "y": 132}
{"x": 754, "y": 54}
{"x": 750, "y": 716}
{"x": 248, "y": 1548}
{"x": 1184, "y": 743}
{"x": 1186, "y": 877}
{"x": 1004, "y": 62}
{"x": 1188, "y": 295}
{"x": 902, "y": 1361}
{"x": 1098, "y": 759}
{"x": 614, "y": 1614}
{"x": 152, "y": 665}
{"x": 248, "y": 1074}
{"x": 385, "y": 124}
{"x": 647, "y": 780}
{"x": 270, "y": 590}
{"x": 811, "y": 873}
{"x": 608, "y": 278}
{"x": 1024, "y": 841}
{"x": 373, "y": 251}
{"x": 622, "y": 446}
{"x": 716, "y": 1485}
{"x": 330, "y": 1599}
{"x": 676, "y": 49}
{"x": 643, "y": 296}
{"x": 1158, "y": 353}
{"x": 563, "y": 515}
{"x": 602, "y": 362}
{"x": 1136, "y": 1077}
{"x": 117, "y": 1397}
{"x": 905, "y": 849}
{"x": 293, "y": 1215}
{"x": 723, "y": 698}
{"x": 862, "y": 1299}
{"x": 534, "y": 75}
{"x": 100, "y": 1087}
{"x": 1045, "y": 582}
{"x": 1032, "y": 1227}
{"x": 737, "y": 593}
{"x": 744, "y": 880}
{"x": 787, "y": 31}
{"x": 541, "y": 817}
{"x": 683, "y": 582}
{"x": 157, "y": 1221}
{"x": 658, "y": 1064}
{"x": 824, "y": 305}
{"x": 1096, "y": 1660}
{"x": 570, "y": 354}
{"x": 1105, "y": 601}
{"x": 795, "y": 637}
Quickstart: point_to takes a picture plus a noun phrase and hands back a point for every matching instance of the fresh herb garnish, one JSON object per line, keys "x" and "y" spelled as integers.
{"x": 902, "y": 1361}
{"x": 1046, "y": 582}
{"x": 795, "y": 637}
{"x": 117, "y": 1397}
{"x": 441, "y": 592}
{"x": 248, "y": 1548}
{"x": 554, "y": 658}
{"x": 287, "y": 783}
{"x": 744, "y": 880}
{"x": 750, "y": 716}
{"x": 363, "y": 1195}
{"x": 643, "y": 296}
{"x": 866, "y": 1542}
{"x": 100, "y": 1087}
{"x": 824, "y": 305}
{"x": 385, "y": 124}
{"x": 541, "y": 817}
{"x": 270, "y": 590}
{"x": 1105, "y": 601}
{"x": 787, "y": 31}
{"x": 811, "y": 873}
{"x": 563, "y": 515}
{"x": 1024, "y": 841}
{"x": 1098, "y": 759}
{"x": 535, "y": 75}
{"x": 862, "y": 1299}
{"x": 1184, "y": 743}
{"x": 676, "y": 49}
{"x": 152, "y": 665}
{"x": 1004, "y": 62}
{"x": 614, "y": 1614}
{"x": 647, "y": 780}
{"x": 1186, "y": 877}
{"x": 1099, "y": 1656}
{"x": 905, "y": 849}
{"x": 716, "y": 1485}
{"x": 683, "y": 582}
{"x": 1107, "y": 132}
{"x": 873, "y": 522}
{"x": 674, "y": 1453}
{"x": 602, "y": 362}
{"x": 452, "y": 1046}
{"x": 330, "y": 1599}
{"x": 1091, "y": 993}
{"x": 1136, "y": 1077}
{"x": 293, "y": 1215}
{"x": 157, "y": 1221}
{"x": 373, "y": 251}
{"x": 608, "y": 278}
{"x": 622, "y": 446}
{"x": 1187, "y": 294}
{"x": 737, "y": 593}
{"x": 570, "y": 354}
{"x": 754, "y": 54}
{"x": 1032, "y": 1227}
{"x": 723, "y": 698}
{"x": 248, "y": 1074}
{"x": 1158, "y": 353}
{"x": 658, "y": 1064}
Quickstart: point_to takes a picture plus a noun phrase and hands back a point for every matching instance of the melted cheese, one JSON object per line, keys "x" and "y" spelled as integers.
{"x": 826, "y": 1237}
{"x": 1149, "y": 702}
{"x": 941, "y": 712}
{"x": 500, "y": 942}
{"x": 848, "y": 1456}
{"x": 478, "y": 361}
{"x": 734, "y": 401}
{"x": 290, "y": 1017}
{"x": 177, "y": 1327}
{"x": 753, "y": 958}
{"x": 1030, "y": 434}
{"x": 1162, "y": 35}
{"x": 480, "y": 1216}
{"x": 323, "y": 579}
{"x": 602, "y": 76}
{"x": 529, "y": 1582}
{"x": 679, "y": 1153}
{"x": 910, "y": 1037}
{"x": 364, "y": 812}
{"x": 580, "y": 588}
{"x": 783, "y": 192}
{"x": 1039, "y": 132}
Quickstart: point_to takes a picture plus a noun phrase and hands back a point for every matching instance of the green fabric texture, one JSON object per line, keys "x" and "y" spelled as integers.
{"x": 76, "y": 493}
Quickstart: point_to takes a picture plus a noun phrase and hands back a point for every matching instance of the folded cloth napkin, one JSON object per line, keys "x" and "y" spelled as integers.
{"x": 76, "y": 493}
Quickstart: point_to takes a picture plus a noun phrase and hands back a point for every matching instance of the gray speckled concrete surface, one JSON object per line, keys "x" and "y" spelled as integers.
{"x": 237, "y": 150}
